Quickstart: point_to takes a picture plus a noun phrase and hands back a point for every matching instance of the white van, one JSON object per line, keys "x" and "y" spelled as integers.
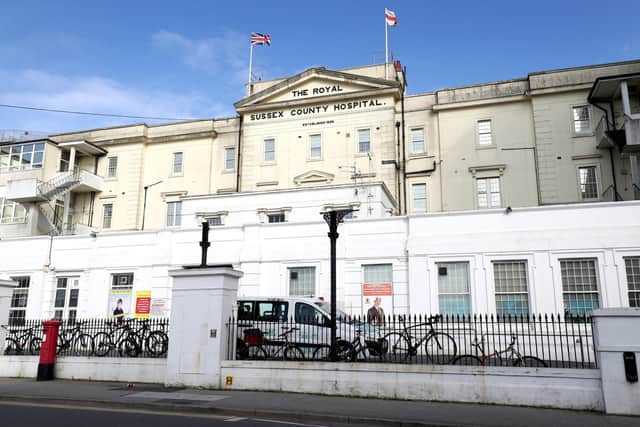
{"x": 274, "y": 322}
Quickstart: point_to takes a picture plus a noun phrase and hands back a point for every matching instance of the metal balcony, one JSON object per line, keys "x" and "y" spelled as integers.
{"x": 34, "y": 191}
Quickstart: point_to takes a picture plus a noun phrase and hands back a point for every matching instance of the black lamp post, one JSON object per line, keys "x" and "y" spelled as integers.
{"x": 333, "y": 217}
{"x": 144, "y": 204}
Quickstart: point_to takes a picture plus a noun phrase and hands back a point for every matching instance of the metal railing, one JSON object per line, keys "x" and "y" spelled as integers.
{"x": 94, "y": 338}
{"x": 476, "y": 339}
{"x": 59, "y": 184}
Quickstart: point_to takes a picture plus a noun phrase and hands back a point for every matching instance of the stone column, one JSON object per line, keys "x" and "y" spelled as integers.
{"x": 201, "y": 303}
{"x": 6, "y": 291}
{"x": 616, "y": 331}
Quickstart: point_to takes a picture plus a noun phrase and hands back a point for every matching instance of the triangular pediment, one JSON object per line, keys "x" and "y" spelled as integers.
{"x": 314, "y": 177}
{"x": 317, "y": 84}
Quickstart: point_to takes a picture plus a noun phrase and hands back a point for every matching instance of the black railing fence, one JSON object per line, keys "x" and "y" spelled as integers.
{"x": 492, "y": 340}
{"x": 94, "y": 338}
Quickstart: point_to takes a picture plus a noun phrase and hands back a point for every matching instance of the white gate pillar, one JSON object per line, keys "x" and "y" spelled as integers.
{"x": 6, "y": 292}
{"x": 201, "y": 304}
{"x": 616, "y": 331}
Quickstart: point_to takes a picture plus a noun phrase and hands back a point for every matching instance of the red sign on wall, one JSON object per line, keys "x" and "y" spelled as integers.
{"x": 378, "y": 290}
{"x": 143, "y": 304}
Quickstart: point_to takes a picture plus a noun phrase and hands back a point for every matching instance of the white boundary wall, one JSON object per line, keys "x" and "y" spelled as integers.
{"x": 141, "y": 370}
{"x": 414, "y": 245}
{"x": 557, "y": 388}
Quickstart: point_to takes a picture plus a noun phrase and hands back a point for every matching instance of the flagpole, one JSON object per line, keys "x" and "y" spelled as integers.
{"x": 250, "y": 62}
{"x": 386, "y": 47}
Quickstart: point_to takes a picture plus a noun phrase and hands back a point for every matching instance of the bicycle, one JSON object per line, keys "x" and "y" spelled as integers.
{"x": 286, "y": 351}
{"x": 72, "y": 337}
{"x": 439, "y": 347}
{"x": 154, "y": 342}
{"x": 514, "y": 358}
{"x": 17, "y": 344}
{"x": 120, "y": 336}
{"x": 359, "y": 348}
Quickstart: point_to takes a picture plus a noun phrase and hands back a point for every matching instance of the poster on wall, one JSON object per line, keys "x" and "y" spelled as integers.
{"x": 377, "y": 300}
{"x": 120, "y": 304}
{"x": 159, "y": 307}
{"x": 143, "y": 304}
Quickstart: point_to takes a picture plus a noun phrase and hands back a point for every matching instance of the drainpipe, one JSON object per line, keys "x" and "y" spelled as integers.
{"x": 404, "y": 175}
{"x": 238, "y": 157}
{"x": 398, "y": 167}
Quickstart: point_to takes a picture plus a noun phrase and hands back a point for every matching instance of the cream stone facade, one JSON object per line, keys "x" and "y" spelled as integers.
{"x": 553, "y": 137}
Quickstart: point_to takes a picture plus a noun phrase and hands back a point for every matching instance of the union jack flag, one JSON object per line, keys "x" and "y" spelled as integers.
{"x": 257, "y": 38}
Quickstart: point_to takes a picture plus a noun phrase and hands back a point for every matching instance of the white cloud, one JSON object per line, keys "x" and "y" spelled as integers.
{"x": 95, "y": 94}
{"x": 225, "y": 56}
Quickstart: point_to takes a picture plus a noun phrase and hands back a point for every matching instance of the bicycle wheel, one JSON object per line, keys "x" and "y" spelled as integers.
{"x": 530, "y": 361}
{"x": 157, "y": 343}
{"x": 397, "y": 346}
{"x": 11, "y": 347}
{"x": 440, "y": 348}
{"x": 293, "y": 352}
{"x": 345, "y": 351}
{"x": 102, "y": 344}
{"x": 83, "y": 345}
{"x": 467, "y": 360}
{"x": 129, "y": 346}
{"x": 322, "y": 353}
{"x": 241, "y": 350}
{"x": 35, "y": 345}
{"x": 256, "y": 352}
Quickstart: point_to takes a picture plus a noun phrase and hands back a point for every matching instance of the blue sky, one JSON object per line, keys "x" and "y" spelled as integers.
{"x": 190, "y": 58}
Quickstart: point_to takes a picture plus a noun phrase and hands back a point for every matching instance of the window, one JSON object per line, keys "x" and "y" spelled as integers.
{"x": 269, "y": 150}
{"x": 215, "y": 221}
{"x": 65, "y": 158}
{"x": 275, "y": 311}
{"x": 484, "y": 132}
{"x": 276, "y": 217}
{"x": 306, "y": 314}
{"x": 632, "y": 265}
{"x": 453, "y": 288}
{"x": 488, "y": 192}
{"x": 245, "y": 310}
{"x": 588, "y": 182}
{"x": 417, "y": 140}
{"x": 177, "y": 164}
{"x": 377, "y": 274}
{"x": 11, "y": 212}
{"x": 122, "y": 281}
{"x": 302, "y": 281}
{"x": 512, "y": 296}
{"x": 315, "y": 146}
{"x": 65, "y": 304}
{"x": 112, "y": 168}
{"x": 230, "y": 158}
{"x": 581, "y": 119}
{"x": 18, "y": 308}
{"x": 21, "y": 157}
{"x": 364, "y": 140}
{"x": 579, "y": 285}
{"x": 419, "y": 198}
{"x": 174, "y": 213}
{"x": 107, "y": 214}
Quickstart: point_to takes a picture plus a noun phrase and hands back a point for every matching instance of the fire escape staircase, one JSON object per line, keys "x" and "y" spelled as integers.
{"x": 49, "y": 192}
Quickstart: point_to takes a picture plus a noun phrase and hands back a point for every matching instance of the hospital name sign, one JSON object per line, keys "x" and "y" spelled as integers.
{"x": 317, "y": 109}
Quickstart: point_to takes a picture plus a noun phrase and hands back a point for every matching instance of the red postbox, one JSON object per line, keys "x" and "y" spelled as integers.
{"x": 48, "y": 349}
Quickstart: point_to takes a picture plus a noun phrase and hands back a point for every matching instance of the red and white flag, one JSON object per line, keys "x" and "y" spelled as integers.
{"x": 260, "y": 39}
{"x": 390, "y": 17}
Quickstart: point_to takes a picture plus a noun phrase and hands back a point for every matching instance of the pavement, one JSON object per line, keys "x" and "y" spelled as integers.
{"x": 296, "y": 407}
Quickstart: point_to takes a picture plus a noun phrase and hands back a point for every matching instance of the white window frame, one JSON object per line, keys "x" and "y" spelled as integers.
{"x": 527, "y": 283}
{"x": 491, "y": 133}
{"x": 424, "y": 147}
{"x": 413, "y": 197}
{"x": 477, "y": 192}
{"x": 227, "y": 150}
{"x": 574, "y": 131}
{"x": 174, "y": 211}
{"x": 368, "y": 129}
{"x": 596, "y": 166}
{"x": 15, "y": 208}
{"x": 174, "y": 170}
{"x": 264, "y": 143}
{"x": 215, "y": 220}
{"x": 635, "y": 273}
{"x": 300, "y": 267}
{"x": 310, "y": 155}
{"x": 72, "y": 283}
{"x": 24, "y": 283}
{"x": 276, "y": 215}
{"x": 112, "y": 167}
{"x": 7, "y": 154}
{"x": 469, "y": 293}
{"x": 104, "y": 216}
{"x": 580, "y": 257}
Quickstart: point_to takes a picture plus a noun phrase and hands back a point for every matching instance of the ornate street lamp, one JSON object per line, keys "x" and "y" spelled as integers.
{"x": 334, "y": 215}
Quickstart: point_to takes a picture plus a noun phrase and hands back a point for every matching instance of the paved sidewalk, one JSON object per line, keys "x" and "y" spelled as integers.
{"x": 299, "y": 407}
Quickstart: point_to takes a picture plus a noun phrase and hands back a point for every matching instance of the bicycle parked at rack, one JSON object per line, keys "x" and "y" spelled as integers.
{"x": 118, "y": 336}
{"x": 154, "y": 342}
{"x": 258, "y": 348}
{"x": 510, "y": 356}
{"x": 358, "y": 349}
{"x": 439, "y": 347}
{"x": 22, "y": 341}
{"x": 72, "y": 337}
